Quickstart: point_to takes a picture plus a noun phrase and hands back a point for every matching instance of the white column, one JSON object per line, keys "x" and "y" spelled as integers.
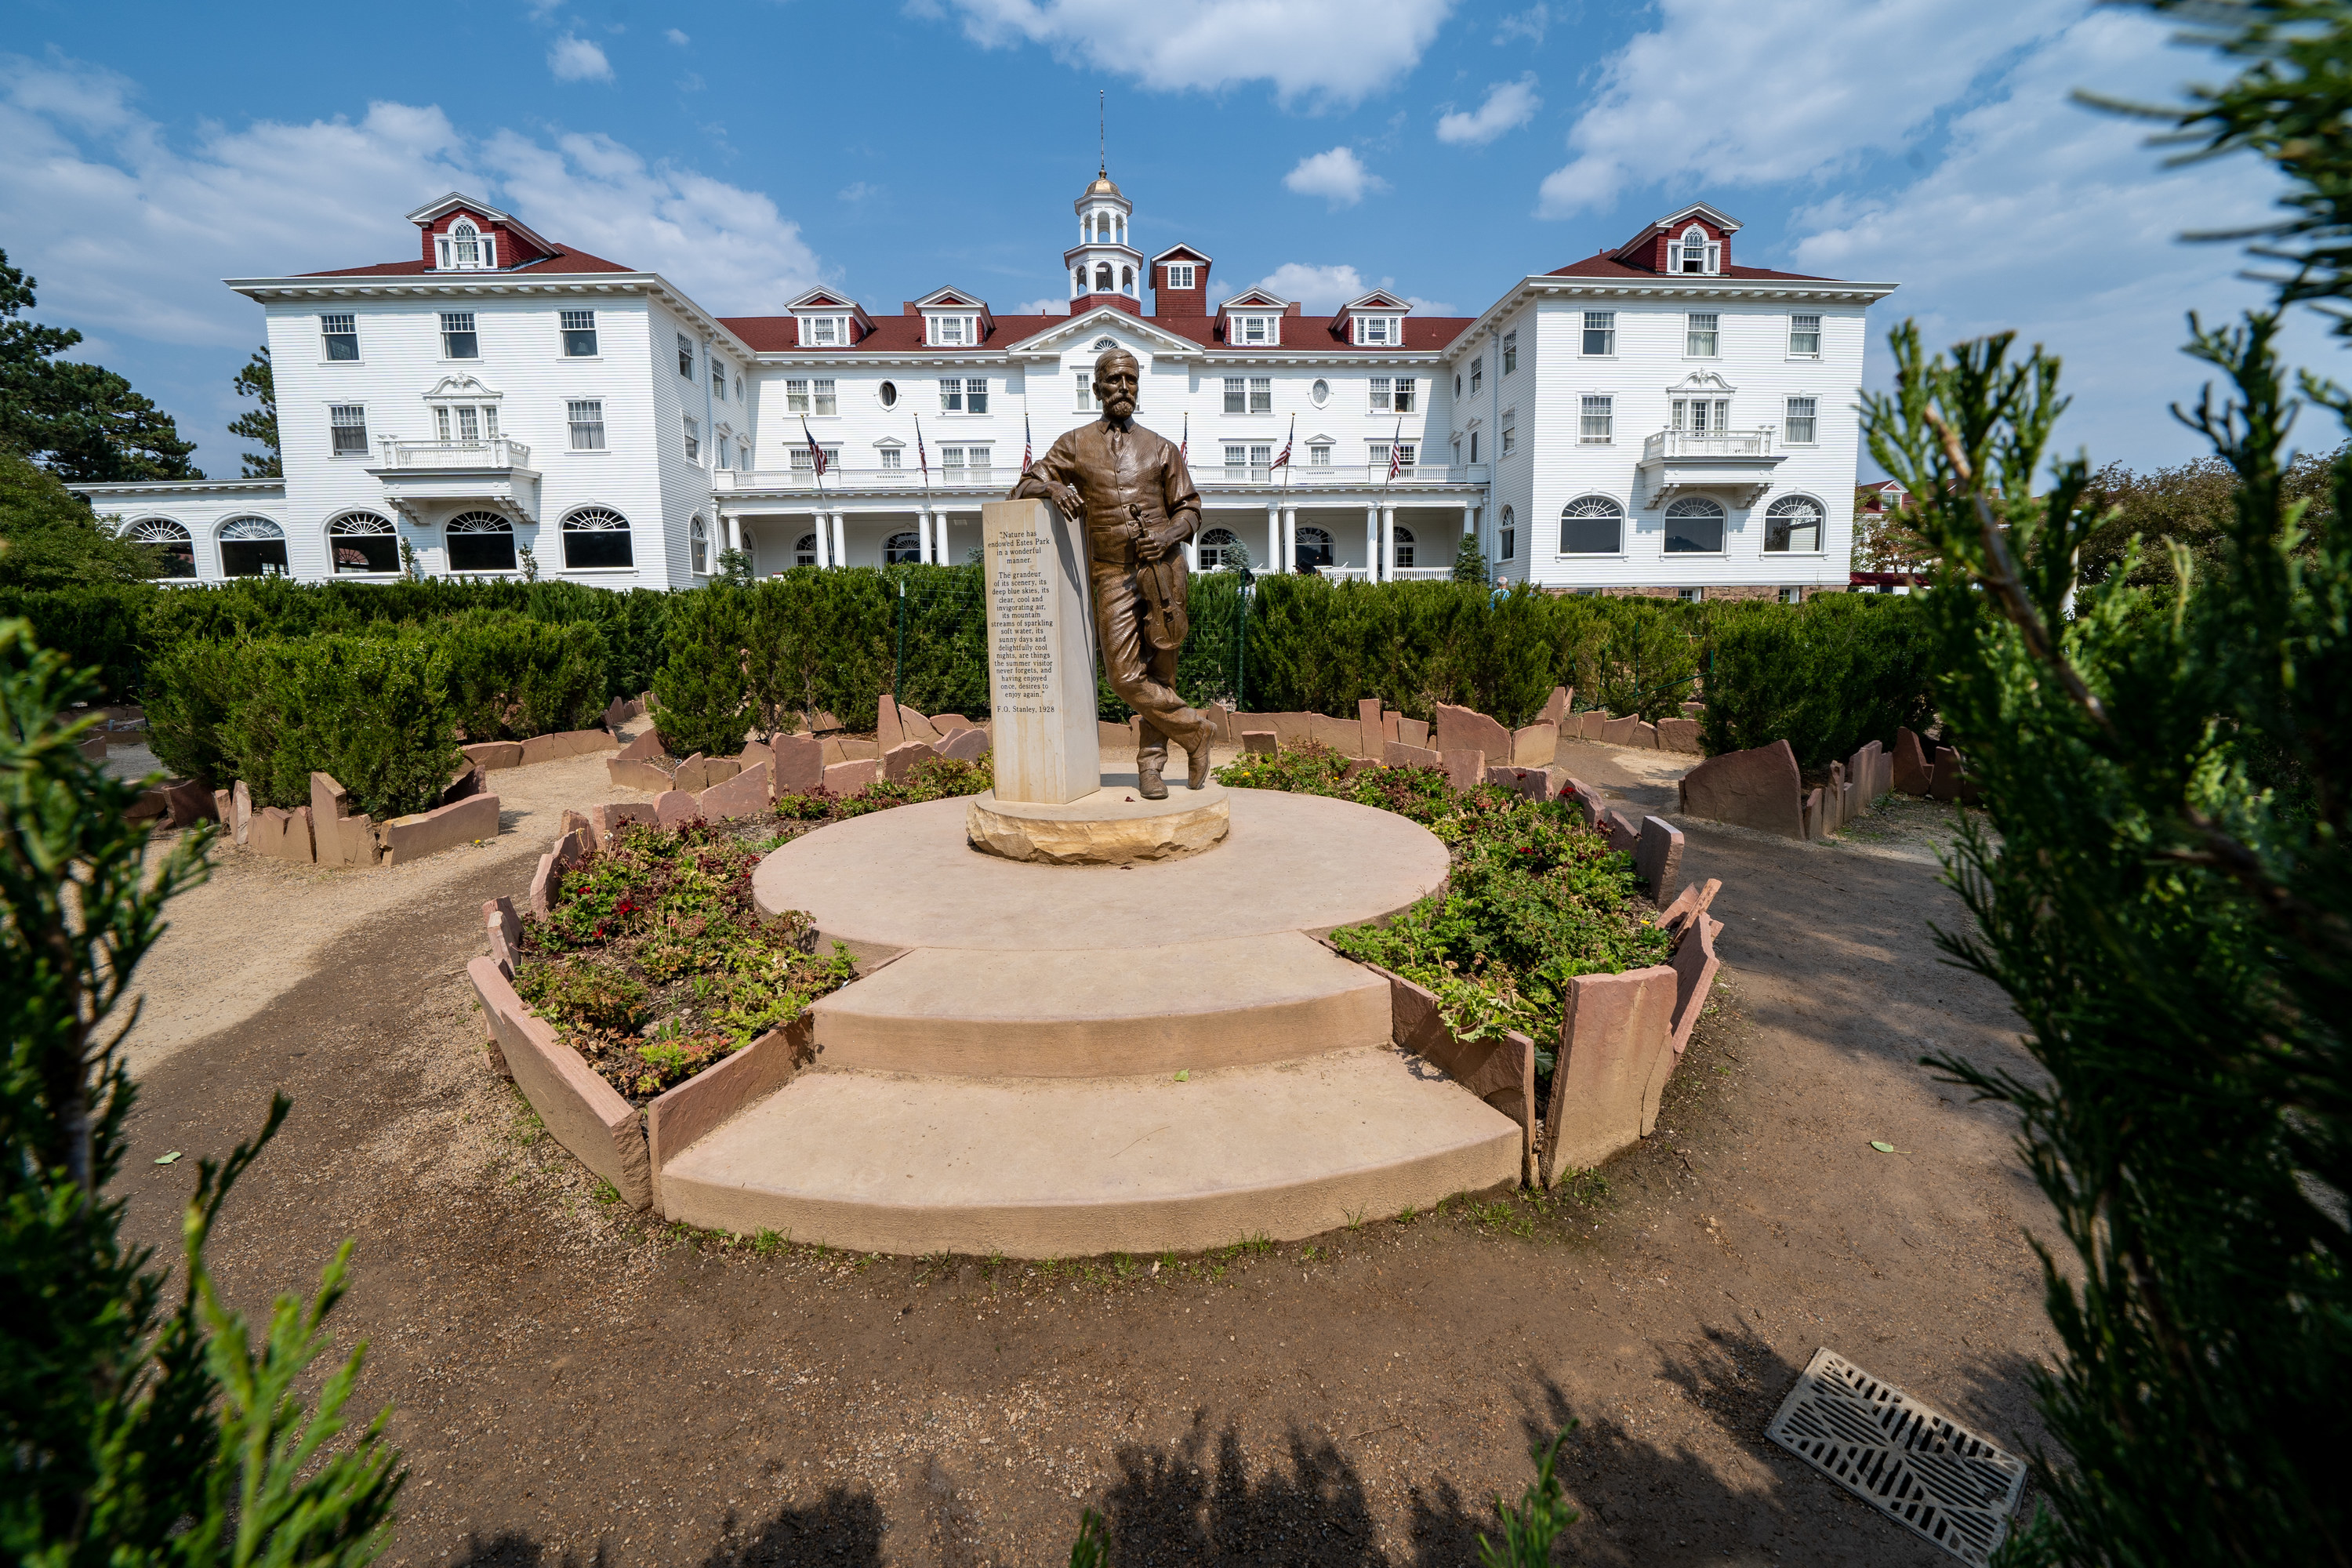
{"x": 1388, "y": 542}
{"x": 823, "y": 549}
{"x": 1274, "y": 557}
{"x": 1290, "y": 536}
{"x": 923, "y": 537}
{"x": 840, "y": 538}
{"x": 1372, "y": 545}
{"x": 1193, "y": 552}
{"x": 1469, "y": 517}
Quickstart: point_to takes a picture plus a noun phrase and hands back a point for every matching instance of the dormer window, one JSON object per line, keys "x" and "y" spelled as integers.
{"x": 1695, "y": 253}
{"x": 1256, "y": 329}
{"x": 466, "y": 248}
{"x": 1381, "y": 332}
{"x": 955, "y": 331}
{"x": 1179, "y": 275}
{"x": 824, "y": 332}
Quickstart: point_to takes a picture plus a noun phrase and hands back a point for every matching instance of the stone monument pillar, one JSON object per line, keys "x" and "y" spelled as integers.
{"x": 1041, "y": 658}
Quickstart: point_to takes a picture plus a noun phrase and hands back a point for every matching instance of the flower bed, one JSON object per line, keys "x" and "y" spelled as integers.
{"x": 1534, "y": 898}
{"x": 653, "y": 963}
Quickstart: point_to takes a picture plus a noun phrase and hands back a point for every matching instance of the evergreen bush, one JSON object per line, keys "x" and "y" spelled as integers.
{"x": 511, "y": 676}
{"x": 702, "y": 696}
{"x": 100, "y": 627}
{"x": 374, "y": 711}
{"x": 1827, "y": 677}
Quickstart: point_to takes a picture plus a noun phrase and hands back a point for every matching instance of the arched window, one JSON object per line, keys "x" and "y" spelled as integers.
{"x": 252, "y": 547}
{"x": 698, "y": 543}
{"x": 1102, "y": 276}
{"x": 901, "y": 550}
{"x": 1314, "y": 548}
{"x": 1694, "y": 255}
{"x": 805, "y": 551}
{"x": 1404, "y": 542}
{"x": 1219, "y": 550}
{"x": 480, "y": 542}
{"x": 1078, "y": 278}
{"x": 1126, "y": 279}
{"x": 1506, "y": 538}
{"x": 1793, "y": 524}
{"x": 596, "y": 536}
{"x": 1591, "y": 525}
{"x": 177, "y": 548}
{"x": 362, "y": 542}
{"x": 1695, "y": 527}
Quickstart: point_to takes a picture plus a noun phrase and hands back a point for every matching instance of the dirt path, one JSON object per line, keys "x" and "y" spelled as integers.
{"x": 570, "y": 1384}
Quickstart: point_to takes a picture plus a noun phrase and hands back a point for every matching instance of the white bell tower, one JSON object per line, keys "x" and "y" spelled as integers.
{"x": 1103, "y": 268}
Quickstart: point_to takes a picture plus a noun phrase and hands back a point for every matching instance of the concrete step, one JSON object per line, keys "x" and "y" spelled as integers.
{"x": 1027, "y": 1013}
{"x": 1047, "y": 1167}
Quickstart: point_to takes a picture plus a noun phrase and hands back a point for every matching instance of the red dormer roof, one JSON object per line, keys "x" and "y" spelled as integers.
{"x": 515, "y": 246}
{"x": 1605, "y": 266}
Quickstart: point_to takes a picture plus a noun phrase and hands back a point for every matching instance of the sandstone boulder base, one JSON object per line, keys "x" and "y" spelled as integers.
{"x": 1113, "y": 826}
{"x": 1502, "y": 1072}
{"x": 673, "y": 806}
{"x": 1465, "y": 767}
{"x": 647, "y": 777}
{"x": 466, "y": 821}
{"x": 471, "y": 778}
{"x": 1679, "y": 735}
{"x": 1258, "y": 740}
{"x": 1626, "y": 731}
{"x": 968, "y": 744}
{"x": 1397, "y": 754}
{"x": 284, "y": 834}
{"x": 1658, "y": 858}
{"x": 1910, "y": 771}
{"x": 605, "y": 818}
{"x": 1533, "y": 746}
{"x": 1467, "y": 730}
{"x": 851, "y": 778}
{"x": 899, "y": 762}
{"x": 1555, "y": 708}
{"x": 495, "y": 754}
{"x": 745, "y": 795}
{"x": 796, "y": 764}
{"x": 646, "y": 748}
{"x": 223, "y": 807}
{"x": 1759, "y": 788}
{"x": 1615, "y": 1039}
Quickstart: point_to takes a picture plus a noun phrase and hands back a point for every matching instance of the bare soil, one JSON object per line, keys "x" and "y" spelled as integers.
{"x": 572, "y": 1382}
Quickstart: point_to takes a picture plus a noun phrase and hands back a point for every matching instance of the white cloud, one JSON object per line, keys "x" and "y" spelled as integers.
{"x": 1690, "y": 101}
{"x": 129, "y": 230}
{"x": 1052, "y": 305}
{"x": 1509, "y": 106}
{"x": 1323, "y": 290}
{"x": 675, "y": 36}
{"x": 1530, "y": 24}
{"x": 857, "y": 191}
{"x": 577, "y": 60}
{"x": 1339, "y": 176}
{"x": 2058, "y": 222}
{"x": 1335, "y": 50}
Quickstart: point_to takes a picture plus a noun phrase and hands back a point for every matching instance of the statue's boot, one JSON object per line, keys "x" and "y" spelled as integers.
{"x": 1148, "y": 782}
{"x": 1196, "y": 747}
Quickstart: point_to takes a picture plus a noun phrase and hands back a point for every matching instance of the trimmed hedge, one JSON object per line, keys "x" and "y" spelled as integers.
{"x": 1841, "y": 671}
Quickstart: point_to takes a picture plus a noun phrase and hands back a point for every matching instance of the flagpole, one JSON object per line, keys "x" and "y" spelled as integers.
{"x": 938, "y": 523}
{"x": 823, "y": 518}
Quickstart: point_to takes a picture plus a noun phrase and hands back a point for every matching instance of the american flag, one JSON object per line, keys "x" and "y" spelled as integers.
{"x": 1284, "y": 461}
{"x": 1184, "y": 449}
{"x": 921, "y": 456}
{"x": 1396, "y": 451}
{"x": 816, "y": 453}
{"x": 1027, "y": 445}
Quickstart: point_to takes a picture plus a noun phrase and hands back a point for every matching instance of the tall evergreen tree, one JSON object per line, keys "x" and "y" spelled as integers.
{"x": 259, "y": 423}
{"x": 82, "y": 422}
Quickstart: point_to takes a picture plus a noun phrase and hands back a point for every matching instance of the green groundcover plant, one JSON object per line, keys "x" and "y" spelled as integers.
{"x": 1534, "y": 896}
{"x": 139, "y": 1425}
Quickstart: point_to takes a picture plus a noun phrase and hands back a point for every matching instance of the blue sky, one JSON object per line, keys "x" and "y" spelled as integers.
{"x": 1322, "y": 146}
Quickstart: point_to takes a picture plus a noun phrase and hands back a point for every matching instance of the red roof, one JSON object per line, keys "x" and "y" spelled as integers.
{"x": 568, "y": 260}
{"x": 904, "y": 335}
{"x": 1609, "y": 267}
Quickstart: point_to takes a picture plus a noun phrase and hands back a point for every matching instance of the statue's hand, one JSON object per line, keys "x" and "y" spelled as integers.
{"x": 1065, "y": 500}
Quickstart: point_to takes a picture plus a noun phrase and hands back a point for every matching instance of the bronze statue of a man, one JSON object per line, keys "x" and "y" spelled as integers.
{"x": 1127, "y": 488}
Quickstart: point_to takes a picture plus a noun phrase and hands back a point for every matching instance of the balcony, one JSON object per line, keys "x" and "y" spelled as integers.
{"x": 1740, "y": 462}
{"x": 494, "y": 475}
{"x": 1336, "y": 476}
{"x": 971, "y": 484}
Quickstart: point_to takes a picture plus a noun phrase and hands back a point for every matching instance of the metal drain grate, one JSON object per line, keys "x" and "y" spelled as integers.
{"x": 1938, "y": 1480}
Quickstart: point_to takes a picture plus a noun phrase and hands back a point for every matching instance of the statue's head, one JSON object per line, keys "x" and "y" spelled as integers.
{"x": 1117, "y": 381}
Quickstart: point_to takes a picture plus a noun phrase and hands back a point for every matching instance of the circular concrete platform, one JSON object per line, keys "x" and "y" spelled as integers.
{"x": 907, "y": 878}
{"x": 1115, "y": 825}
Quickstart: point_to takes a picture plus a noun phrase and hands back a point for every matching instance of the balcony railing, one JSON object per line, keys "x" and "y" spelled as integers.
{"x": 1708, "y": 444}
{"x": 496, "y": 452}
{"x": 1335, "y": 476}
{"x": 998, "y": 477}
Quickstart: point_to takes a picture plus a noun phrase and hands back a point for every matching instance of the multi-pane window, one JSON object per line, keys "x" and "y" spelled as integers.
{"x": 347, "y": 425}
{"x": 586, "y": 417}
{"x": 1600, "y": 332}
{"x": 975, "y": 401}
{"x": 1591, "y": 525}
{"x": 796, "y": 398}
{"x": 1805, "y": 336}
{"x": 1261, "y": 461}
{"x": 1404, "y": 393}
{"x": 965, "y": 464}
{"x": 1381, "y": 452}
{"x": 1261, "y": 394}
{"x": 1236, "y": 394}
{"x": 458, "y": 339}
{"x": 959, "y": 396}
{"x": 718, "y": 380}
{"x": 1792, "y": 525}
{"x": 1598, "y": 427}
{"x": 1236, "y": 460}
{"x": 952, "y": 395}
{"x": 892, "y": 457}
{"x": 466, "y": 422}
{"x": 821, "y": 394}
{"x": 743, "y": 456}
{"x": 1318, "y": 455}
{"x": 686, "y": 356}
{"x": 1507, "y": 537}
{"x": 1800, "y": 421}
{"x": 1477, "y": 374}
{"x": 340, "y": 335}
{"x": 1380, "y": 394}
{"x": 802, "y": 463}
{"x": 1404, "y": 545}
{"x": 1510, "y": 350}
{"x": 579, "y": 334}
{"x": 1179, "y": 275}
{"x": 1086, "y": 380}
{"x": 1376, "y": 331}
{"x": 1699, "y": 333}
{"x": 1510, "y": 432}
{"x": 1700, "y": 414}
{"x": 824, "y": 332}
{"x": 693, "y": 440}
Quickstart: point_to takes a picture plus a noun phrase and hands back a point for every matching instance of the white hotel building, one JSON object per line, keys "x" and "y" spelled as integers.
{"x": 1651, "y": 418}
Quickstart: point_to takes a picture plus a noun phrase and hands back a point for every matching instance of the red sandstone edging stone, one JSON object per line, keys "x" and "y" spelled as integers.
{"x": 566, "y": 743}
{"x": 580, "y": 1110}
{"x": 1613, "y": 1041}
{"x": 408, "y": 838}
{"x": 699, "y": 1105}
{"x": 1759, "y": 788}
{"x": 1466, "y": 729}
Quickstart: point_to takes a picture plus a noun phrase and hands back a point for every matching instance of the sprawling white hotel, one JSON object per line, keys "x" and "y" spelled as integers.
{"x": 1652, "y": 419}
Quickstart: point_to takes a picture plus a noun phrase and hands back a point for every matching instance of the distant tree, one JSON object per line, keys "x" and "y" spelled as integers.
{"x": 82, "y": 422}
{"x": 259, "y": 423}
{"x": 2193, "y": 505}
{"x": 1884, "y": 540}
{"x": 1469, "y": 561}
{"x": 48, "y": 537}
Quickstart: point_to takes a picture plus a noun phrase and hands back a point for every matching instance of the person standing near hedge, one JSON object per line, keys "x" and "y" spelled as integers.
{"x": 1130, "y": 491}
